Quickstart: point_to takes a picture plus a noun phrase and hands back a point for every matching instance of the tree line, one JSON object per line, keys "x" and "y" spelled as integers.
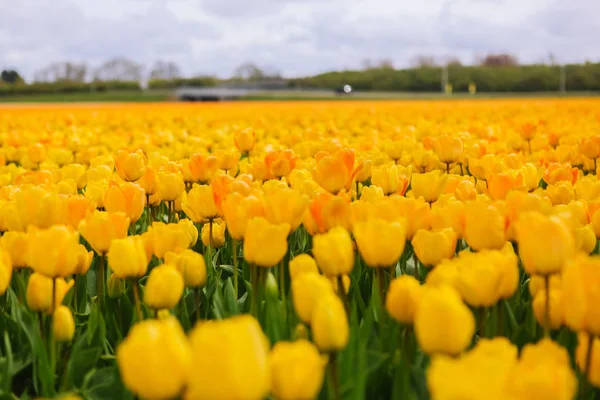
{"x": 492, "y": 73}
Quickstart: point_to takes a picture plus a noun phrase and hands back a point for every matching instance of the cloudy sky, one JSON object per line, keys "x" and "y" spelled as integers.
{"x": 296, "y": 37}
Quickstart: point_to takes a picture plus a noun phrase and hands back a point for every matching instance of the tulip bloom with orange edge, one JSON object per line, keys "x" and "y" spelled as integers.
{"x": 391, "y": 178}
{"x": 203, "y": 168}
{"x": 199, "y": 204}
{"x": 237, "y": 210}
{"x": 432, "y": 247}
{"x": 265, "y": 244}
{"x": 429, "y": 185}
{"x": 560, "y": 172}
{"x": 130, "y": 166}
{"x": 128, "y": 198}
{"x": 500, "y": 184}
{"x": 336, "y": 172}
{"x": 280, "y": 162}
{"x": 545, "y": 243}
{"x": 326, "y": 211}
{"x": 148, "y": 181}
{"x": 100, "y": 228}
{"x": 485, "y": 226}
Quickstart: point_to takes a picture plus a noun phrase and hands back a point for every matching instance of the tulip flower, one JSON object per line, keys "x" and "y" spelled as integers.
{"x": 237, "y": 210}
{"x": 402, "y": 300}
{"x": 191, "y": 265}
{"x": 432, "y": 247}
{"x": 170, "y": 185}
{"x": 6, "y": 270}
{"x": 218, "y": 234}
{"x": 130, "y": 166}
{"x": 53, "y": 251}
{"x": 63, "y": 324}
{"x": 285, "y": 207}
{"x": 334, "y": 252}
{"x": 199, "y": 204}
{"x": 265, "y": 244}
{"x": 429, "y": 185}
{"x": 307, "y": 290}
{"x": 245, "y": 140}
{"x": 302, "y": 264}
{"x": 101, "y": 228}
{"x": 485, "y": 226}
{"x": 329, "y": 324}
{"x": 128, "y": 198}
{"x": 164, "y": 287}
{"x": 127, "y": 257}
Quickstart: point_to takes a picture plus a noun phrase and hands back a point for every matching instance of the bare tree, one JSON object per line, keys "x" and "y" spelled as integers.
{"x": 165, "y": 70}
{"x": 119, "y": 69}
{"x": 498, "y": 60}
{"x": 386, "y": 63}
{"x": 366, "y": 64}
{"x": 62, "y": 71}
{"x": 424, "y": 61}
{"x": 249, "y": 71}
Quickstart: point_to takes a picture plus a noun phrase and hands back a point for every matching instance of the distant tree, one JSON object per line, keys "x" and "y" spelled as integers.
{"x": 366, "y": 64}
{"x": 119, "y": 69}
{"x": 386, "y": 63}
{"x": 498, "y": 60}
{"x": 165, "y": 70}
{"x": 453, "y": 62}
{"x": 424, "y": 61}
{"x": 249, "y": 71}
{"x": 62, "y": 71}
{"x": 10, "y": 76}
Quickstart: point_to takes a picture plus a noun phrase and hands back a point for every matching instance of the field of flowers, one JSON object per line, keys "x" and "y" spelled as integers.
{"x": 442, "y": 250}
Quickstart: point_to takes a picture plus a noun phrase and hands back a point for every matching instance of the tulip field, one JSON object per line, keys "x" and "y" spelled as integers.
{"x": 443, "y": 250}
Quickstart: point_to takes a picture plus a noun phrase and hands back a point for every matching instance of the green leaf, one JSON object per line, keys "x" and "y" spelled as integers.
{"x": 105, "y": 384}
{"x": 231, "y": 303}
{"x": 83, "y": 359}
{"x": 218, "y": 304}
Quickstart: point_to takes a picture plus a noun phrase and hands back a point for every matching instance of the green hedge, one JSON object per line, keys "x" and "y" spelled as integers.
{"x": 528, "y": 78}
{"x": 66, "y": 87}
{"x": 200, "y": 81}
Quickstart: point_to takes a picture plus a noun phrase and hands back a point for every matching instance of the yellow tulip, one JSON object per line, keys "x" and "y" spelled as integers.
{"x": 39, "y": 292}
{"x": 63, "y": 324}
{"x": 329, "y": 324}
{"x": 334, "y": 252}
{"x": 6, "y": 270}
{"x": 580, "y": 280}
{"x": 127, "y": 257}
{"x": 443, "y": 323}
{"x": 53, "y": 251}
{"x": 218, "y": 234}
{"x": 302, "y": 264}
{"x": 16, "y": 245}
{"x": 199, "y": 204}
{"x": 191, "y": 265}
{"x": 202, "y": 168}
{"x": 583, "y": 342}
{"x": 429, "y": 185}
{"x": 479, "y": 279}
{"x": 265, "y": 244}
{"x": 403, "y": 297}
{"x": 130, "y": 166}
{"x": 171, "y": 237}
{"x": 432, "y": 247}
{"x": 556, "y": 308}
{"x": 245, "y": 140}
{"x": 101, "y": 228}
{"x": 155, "y": 359}
{"x": 285, "y": 207}
{"x": 307, "y": 290}
{"x": 230, "y": 360}
{"x": 95, "y": 191}
{"x": 170, "y": 185}
{"x": 164, "y": 287}
{"x": 545, "y": 243}
{"x": 128, "y": 198}
{"x": 331, "y": 174}
{"x": 297, "y": 370}
{"x": 448, "y": 215}
{"x": 237, "y": 210}
{"x": 379, "y": 242}
{"x": 485, "y": 226}
{"x": 40, "y": 208}
{"x": 448, "y": 148}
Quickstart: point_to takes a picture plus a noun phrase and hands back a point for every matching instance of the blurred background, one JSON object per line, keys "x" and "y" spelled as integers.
{"x": 222, "y": 49}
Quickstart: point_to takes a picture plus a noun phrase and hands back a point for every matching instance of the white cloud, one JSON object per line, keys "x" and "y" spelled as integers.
{"x": 296, "y": 36}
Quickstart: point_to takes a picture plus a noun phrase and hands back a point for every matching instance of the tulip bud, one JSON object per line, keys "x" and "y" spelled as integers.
{"x": 301, "y": 264}
{"x": 164, "y": 287}
{"x": 218, "y": 234}
{"x": 63, "y": 324}
{"x": 244, "y": 140}
{"x": 300, "y": 332}
{"x": 556, "y": 308}
{"x": 297, "y": 370}
{"x": 191, "y": 265}
{"x": 39, "y": 292}
{"x": 116, "y": 287}
{"x": 329, "y": 324}
{"x": 379, "y": 242}
{"x": 307, "y": 290}
{"x": 271, "y": 287}
{"x": 84, "y": 260}
{"x": 334, "y": 252}
{"x": 403, "y": 298}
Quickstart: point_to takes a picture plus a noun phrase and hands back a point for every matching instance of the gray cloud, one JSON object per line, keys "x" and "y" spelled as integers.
{"x": 297, "y": 37}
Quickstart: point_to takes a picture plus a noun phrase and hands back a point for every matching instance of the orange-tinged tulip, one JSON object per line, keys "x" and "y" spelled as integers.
{"x": 199, "y": 204}
{"x": 128, "y": 198}
{"x": 237, "y": 210}
{"x": 100, "y": 228}
{"x": 545, "y": 243}
{"x": 485, "y": 226}
{"x": 149, "y": 181}
{"x": 432, "y": 247}
{"x": 560, "y": 172}
{"x": 280, "y": 162}
{"x": 203, "y": 168}
{"x": 429, "y": 185}
{"x": 391, "y": 178}
{"x": 130, "y": 166}
{"x": 265, "y": 244}
{"x": 325, "y": 212}
{"x": 78, "y": 208}
{"x": 331, "y": 174}
{"x": 500, "y": 184}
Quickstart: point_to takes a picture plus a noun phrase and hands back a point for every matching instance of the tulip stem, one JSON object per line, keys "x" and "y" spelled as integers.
{"x": 416, "y": 269}
{"x": 210, "y": 238}
{"x": 148, "y": 212}
{"x": 500, "y": 319}
{"x": 335, "y": 381}
{"x": 357, "y": 192}
{"x": 100, "y": 283}
{"x": 253, "y": 283}
{"x": 53, "y": 305}
{"x": 448, "y": 168}
{"x": 235, "y": 267}
{"x": 342, "y": 294}
{"x": 595, "y": 165}
{"x": 75, "y": 293}
{"x": 547, "y": 316}
{"x": 136, "y": 298}
{"x": 381, "y": 283}
{"x": 197, "y": 297}
{"x": 282, "y": 289}
{"x": 529, "y": 144}
{"x": 588, "y": 363}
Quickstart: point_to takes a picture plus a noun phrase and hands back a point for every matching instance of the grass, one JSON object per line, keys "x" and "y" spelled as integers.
{"x": 158, "y": 95}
